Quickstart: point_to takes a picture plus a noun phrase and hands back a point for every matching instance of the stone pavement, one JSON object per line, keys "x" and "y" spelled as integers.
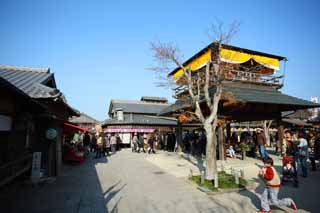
{"x": 124, "y": 182}
{"x": 132, "y": 182}
{"x": 306, "y": 196}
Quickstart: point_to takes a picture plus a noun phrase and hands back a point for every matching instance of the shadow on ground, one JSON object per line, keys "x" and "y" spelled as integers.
{"x": 78, "y": 189}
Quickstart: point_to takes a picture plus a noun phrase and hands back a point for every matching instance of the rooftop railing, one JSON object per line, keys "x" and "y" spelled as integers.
{"x": 244, "y": 77}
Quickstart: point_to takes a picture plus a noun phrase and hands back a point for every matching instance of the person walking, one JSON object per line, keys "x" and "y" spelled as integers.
{"x": 303, "y": 153}
{"x": 261, "y": 140}
{"x": 151, "y": 142}
{"x": 272, "y": 184}
{"x": 105, "y": 147}
{"x": 93, "y": 143}
{"x": 86, "y": 142}
{"x": 135, "y": 142}
{"x": 312, "y": 139}
{"x": 99, "y": 146}
{"x": 113, "y": 143}
{"x": 141, "y": 143}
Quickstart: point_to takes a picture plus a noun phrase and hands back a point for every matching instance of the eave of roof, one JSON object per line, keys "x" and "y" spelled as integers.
{"x": 251, "y": 95}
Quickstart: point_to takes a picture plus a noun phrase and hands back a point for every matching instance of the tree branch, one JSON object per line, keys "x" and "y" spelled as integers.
{"x": 206, "y": 85}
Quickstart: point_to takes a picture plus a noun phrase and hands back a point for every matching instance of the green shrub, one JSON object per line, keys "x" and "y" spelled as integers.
{"x": 226, "y": 181}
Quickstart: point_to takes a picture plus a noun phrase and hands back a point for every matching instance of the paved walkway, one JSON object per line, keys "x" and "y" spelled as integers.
{"x": 125, "y": 182}
{"x": 306, "y": 196}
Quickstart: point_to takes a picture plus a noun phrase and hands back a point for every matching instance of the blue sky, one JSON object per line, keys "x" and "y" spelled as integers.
{"x": 100, "y": 50}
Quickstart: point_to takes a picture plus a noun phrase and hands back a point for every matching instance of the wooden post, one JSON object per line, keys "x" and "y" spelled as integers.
{"x": 228, "y": 128}
{"x": 179, "y": 136}
{"x": 280, "y": 136}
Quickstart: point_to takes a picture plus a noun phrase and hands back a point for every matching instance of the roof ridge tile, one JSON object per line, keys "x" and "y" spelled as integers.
{"x": 24, "y": 69}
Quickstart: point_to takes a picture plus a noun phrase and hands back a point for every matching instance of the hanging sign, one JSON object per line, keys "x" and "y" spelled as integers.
{"x": 36, "y": 166}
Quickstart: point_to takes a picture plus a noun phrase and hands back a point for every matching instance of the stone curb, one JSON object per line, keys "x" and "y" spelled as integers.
{"x": 250, "y": 186}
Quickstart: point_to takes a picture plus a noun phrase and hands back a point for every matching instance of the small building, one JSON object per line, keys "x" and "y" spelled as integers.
{"x": 85, "y": 121}
{"x": 32, "y": 116}
{"x": 127, "y": 117}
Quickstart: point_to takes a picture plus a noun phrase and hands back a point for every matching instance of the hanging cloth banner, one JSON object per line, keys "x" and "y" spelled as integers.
{"x": 229, "y": 56}
{"x": 195, "y": 64}
{"x": 236, "y": 57}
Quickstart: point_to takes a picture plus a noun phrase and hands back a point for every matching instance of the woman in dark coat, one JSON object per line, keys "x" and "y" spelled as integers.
{"x": 151, "y": 144}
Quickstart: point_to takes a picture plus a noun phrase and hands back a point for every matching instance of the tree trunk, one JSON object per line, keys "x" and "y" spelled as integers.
{"x": 266, "y": 132}
{"x": 211, "y": 154}
{"x": 221, "y": 141}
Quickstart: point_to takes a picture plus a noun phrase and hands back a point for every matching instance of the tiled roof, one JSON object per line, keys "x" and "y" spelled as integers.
{"x": 25, "y": 99}
{"x": 83, "y": 118}
{"x": 30, "y": 80}
{"x": 141, "y": 107}
{"x": 253, "y": 95}
{"x": 142, "y": 120}
{"x": 153, "y": 98}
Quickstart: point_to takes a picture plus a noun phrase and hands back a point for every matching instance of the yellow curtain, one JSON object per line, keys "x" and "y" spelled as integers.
{"x": 232, "y": 56}
{"x": 229, "y": 56}
{"x": 195, "y": 63}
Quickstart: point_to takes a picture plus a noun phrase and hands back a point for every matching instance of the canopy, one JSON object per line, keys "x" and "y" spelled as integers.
{"x": 67, "y": 127}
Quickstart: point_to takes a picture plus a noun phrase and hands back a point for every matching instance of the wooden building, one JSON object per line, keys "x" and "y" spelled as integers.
{"x": 252, "y": 80}
{"x": 85, "y": 121}
{"x": 32, "y": 116}
{"x": 127, "y": 117}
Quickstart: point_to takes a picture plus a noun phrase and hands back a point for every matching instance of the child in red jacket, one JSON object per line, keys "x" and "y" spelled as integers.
{"x": 272, "y": 186}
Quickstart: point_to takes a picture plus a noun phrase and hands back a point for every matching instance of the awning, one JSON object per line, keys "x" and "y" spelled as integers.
{"x": 129, "y": 130}
{"x": 67, "y": 127}
{"x": 230, "y": 56}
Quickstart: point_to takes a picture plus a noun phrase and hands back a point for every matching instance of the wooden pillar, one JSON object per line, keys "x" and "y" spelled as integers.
{"x": 179, "y": 136}
{"x": 59, "y": 151}
{"x": 221, "y": 142}
{"x": 280, "y": 135}
{"x": 228, "y": 130}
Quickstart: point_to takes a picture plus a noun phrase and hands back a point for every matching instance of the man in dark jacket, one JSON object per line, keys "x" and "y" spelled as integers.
{"x": 261, "y": 140}
{"x": 86, "y": 141}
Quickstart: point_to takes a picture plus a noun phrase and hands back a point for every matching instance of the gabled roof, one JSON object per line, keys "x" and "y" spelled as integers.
{"x": 140, "y": 107}
{"x": 83, "y": 118}
{"x": 25, "y": 99}
{"x": 31, "y": 80}
{"x": 37, "y": 83}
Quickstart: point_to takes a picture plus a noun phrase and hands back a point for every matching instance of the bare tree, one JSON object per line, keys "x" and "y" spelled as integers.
{"x": 204, "y": 87}
{"x": 266, "y": 126}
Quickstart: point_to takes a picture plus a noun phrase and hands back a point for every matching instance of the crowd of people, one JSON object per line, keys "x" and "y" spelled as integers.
{"x": 103, "y": 145}
{"x": 150, "y": 142}
{"x": 84, "y": 143}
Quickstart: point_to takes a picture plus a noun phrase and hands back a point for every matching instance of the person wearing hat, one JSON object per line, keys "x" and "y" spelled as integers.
{"x": 261, "y": 140}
